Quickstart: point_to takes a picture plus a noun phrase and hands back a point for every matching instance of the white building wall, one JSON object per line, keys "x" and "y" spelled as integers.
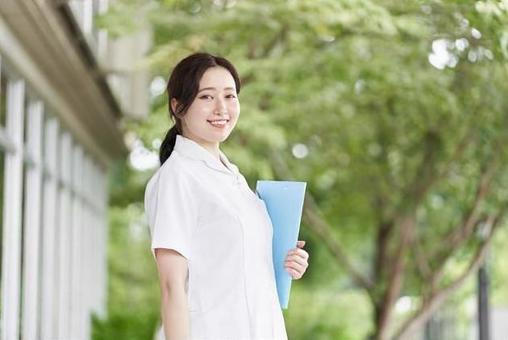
{"x": 49, "y": 249}
{"x": 53, "y": 183}
{"x": 64, "y": 236}
{"x": 32, "y": 225}
{"x": 53, "y": 223}
{"x": 77, "y": 225}
{"x": 12, "y": 207}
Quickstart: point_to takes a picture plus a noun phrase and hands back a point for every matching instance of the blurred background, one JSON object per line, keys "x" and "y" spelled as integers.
{"x": 395, "y": 113}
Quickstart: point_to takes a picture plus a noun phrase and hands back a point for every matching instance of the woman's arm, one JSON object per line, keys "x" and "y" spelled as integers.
{"x": 173, "y": 272}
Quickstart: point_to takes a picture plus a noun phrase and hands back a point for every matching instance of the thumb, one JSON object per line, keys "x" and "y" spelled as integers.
{"x": 300, "y": 244}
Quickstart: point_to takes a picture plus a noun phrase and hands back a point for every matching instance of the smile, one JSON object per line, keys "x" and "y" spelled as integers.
{"x": 218, "y": 122}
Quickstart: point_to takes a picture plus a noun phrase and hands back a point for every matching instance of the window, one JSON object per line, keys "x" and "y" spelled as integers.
{"x": 3, "y": 86}
{"x": 32, "y": 214}
{"x": 13, "y": 93}
{"x": 49, "y": 288}
{"x": 64, "y": 235}
{"x": 52, "y": 219}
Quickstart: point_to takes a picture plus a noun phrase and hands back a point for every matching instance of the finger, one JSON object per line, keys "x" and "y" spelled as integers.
{"x": 299, "y": 252}
{"x": 297, "y": 267}
{"x": 302, "y": 253}
{"x": 297, "y": 259}
{"x": 294, "y": 273}
{"x": 300, "y": 244}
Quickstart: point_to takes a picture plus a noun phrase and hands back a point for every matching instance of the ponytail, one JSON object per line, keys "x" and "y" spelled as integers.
{"x": 168, "y": 144}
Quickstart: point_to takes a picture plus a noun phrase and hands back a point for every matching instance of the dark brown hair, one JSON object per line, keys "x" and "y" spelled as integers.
{"x": 183, "y": 85}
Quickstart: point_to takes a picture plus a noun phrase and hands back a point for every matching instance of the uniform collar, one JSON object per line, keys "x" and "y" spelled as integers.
{"x": 191, "y": 149}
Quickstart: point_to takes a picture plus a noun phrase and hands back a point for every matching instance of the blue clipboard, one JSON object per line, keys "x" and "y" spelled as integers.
{"x": 284, "y": 202}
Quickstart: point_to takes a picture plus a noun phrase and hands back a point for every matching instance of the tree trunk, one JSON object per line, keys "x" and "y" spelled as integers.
{"x": 381, "y": 322}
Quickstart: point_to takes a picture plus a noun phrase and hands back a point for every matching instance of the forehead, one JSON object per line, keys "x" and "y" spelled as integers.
{"x": 217, "y": 77}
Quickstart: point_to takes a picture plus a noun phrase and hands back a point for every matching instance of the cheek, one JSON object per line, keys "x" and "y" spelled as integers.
{"x": 235, "y": 117}
{"x": 195, "y": 115}
{"x": 235, "y": 110}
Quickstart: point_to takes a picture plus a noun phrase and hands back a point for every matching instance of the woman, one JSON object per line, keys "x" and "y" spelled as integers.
{"x": 211, "y": 235}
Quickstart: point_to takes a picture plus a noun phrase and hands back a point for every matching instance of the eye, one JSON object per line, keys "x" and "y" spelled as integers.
{"x": 230, "y": 96}
{"x": 206, "y": 96}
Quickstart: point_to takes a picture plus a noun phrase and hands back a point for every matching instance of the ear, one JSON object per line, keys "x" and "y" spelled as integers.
{"x": 174, "y": 103}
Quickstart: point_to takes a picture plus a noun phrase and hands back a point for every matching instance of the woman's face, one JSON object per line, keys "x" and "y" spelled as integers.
{"x": 214, "y": 112}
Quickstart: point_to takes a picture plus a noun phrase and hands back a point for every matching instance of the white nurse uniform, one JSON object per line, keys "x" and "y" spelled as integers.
{"x": 204, "y": 209}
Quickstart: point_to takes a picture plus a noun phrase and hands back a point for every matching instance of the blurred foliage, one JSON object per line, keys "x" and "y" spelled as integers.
{"x": 133, "y": 295}
{"x": 380, "y": 94}
{"x": 499, "y": 269}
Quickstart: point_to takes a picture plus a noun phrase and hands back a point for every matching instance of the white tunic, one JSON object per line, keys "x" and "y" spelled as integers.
{"x": 206, "y": 211}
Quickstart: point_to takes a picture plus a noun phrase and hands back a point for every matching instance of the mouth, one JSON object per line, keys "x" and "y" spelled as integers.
{"x": 218, "y": 122}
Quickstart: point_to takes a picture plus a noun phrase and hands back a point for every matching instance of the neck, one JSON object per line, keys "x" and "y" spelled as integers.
{"x": 213, "y": 148}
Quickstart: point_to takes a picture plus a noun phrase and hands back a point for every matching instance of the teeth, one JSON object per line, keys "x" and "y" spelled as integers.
{"x": 219, "y": 122}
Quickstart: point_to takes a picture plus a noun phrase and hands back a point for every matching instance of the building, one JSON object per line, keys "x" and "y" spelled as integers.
{"x": 65, "y": 87}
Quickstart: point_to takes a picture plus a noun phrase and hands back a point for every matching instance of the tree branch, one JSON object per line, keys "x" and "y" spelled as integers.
{"x": 384, "y": 232}
{"x": 396, "y": 277}
{"x": 421, "y": 260}
{"x": 426, "y": 178}
{"x": 462, "y": 232}
{"x": 437, "y": 297}
{"x": 322, "y": 228}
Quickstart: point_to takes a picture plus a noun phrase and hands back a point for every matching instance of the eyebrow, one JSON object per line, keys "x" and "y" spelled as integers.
{"x": 213, "y": 88}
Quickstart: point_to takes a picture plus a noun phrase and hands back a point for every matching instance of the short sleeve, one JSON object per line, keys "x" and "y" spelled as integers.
{"x": 170, "y": 209}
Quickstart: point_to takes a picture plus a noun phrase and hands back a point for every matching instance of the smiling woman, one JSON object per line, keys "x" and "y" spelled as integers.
{"x": 216, "y": 105}
{"x": 211, "y": 235}
{"x": 203, "y": 91}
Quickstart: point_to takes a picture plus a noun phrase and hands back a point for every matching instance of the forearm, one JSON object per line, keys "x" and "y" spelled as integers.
{"x": 175, "y": 316}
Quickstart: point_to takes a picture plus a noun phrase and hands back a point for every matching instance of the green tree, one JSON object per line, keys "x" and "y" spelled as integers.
{"x": 399, "y": 112}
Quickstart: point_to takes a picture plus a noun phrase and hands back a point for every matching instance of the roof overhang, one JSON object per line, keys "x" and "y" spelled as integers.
{"x": 44, "y": 44}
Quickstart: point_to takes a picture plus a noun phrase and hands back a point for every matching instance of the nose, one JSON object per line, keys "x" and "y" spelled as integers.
{"x": 220, "y": 106}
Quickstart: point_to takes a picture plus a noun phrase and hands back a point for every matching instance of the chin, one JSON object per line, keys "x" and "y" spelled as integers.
{"x": 220, "y": 137}
{"x": 223, "y": 138}
{"x": 216, "y": 138}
